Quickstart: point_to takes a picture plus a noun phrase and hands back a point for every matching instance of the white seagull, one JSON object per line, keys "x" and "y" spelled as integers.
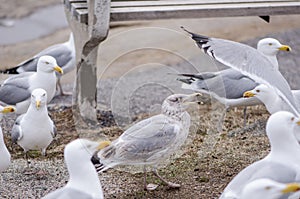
{"x": 282, "y": 164}
{"x": 4, "y": 153}
{"x": 249, "y": 61}
{"x": 83, "y": 181}
{"x": 268, "y": 96}
{"x": 16, "y": 90}
{"x": 64, "y": 53}
{"x": 228, "y": 86}
{"x": 34, "y": 130}
{"x": 265, "y": 188}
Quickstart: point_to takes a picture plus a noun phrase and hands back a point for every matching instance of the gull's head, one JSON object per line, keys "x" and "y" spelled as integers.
{"x": 268, "y": 189}
{"x": 270, "y": 46}
{"x": 39, "y": 98}
{"x": 179, "y": 102}
{"x": 83, "y": 149}
{"x": 48, "y": 64}
{"x": 7, "y": 109}
{"x": 280, "y": 127}
{"x": 262, "y": 92}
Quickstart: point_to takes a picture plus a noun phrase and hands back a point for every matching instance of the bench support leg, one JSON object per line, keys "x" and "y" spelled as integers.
{"x": 86, "y": 86}
{"x": 87, "y": 38}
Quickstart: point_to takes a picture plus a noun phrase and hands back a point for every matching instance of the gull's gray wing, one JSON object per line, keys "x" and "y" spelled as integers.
{"x": 261, "y": 169}
{"x": 296, "y": 94}
{"x": 227, "y": 83}
{"x": 248, "y": 61}
{"x": 61, "y": 52}
{"x": 15, "y": 89}
{"x": 68, "y": 193}
{"x": 16, "y": 132}
{"x": 144, "y": 128}
{"x": 140, "y": 144}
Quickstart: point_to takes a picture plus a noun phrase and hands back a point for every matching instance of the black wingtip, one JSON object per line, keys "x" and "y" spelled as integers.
{"x": 183, "y": 28}
{"x": 10, "y": 71}
{"x": 200, "y": 39}
{"x": 186, "y": 81}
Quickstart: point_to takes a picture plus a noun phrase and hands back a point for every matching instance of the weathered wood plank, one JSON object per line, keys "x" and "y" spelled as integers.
{"x": 69, "y": 2}
{"x": 167, "y": 9}
{"x": 76, "y": 9}
{"x": 200, "y": 11}
{"x": 187, "y": 2}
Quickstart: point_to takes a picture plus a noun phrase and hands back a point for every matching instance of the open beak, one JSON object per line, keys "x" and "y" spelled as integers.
{"x": 38, "y": 104}
{"x": 192, "y": 98}
{"x": 248, "y": 94}
{"x": 8, "y": 109}
{"x": 103, "y": 144}
{"x": 292, "y": 187}
{"x": 58, "y": 69}
{"x": 285, "y": 48}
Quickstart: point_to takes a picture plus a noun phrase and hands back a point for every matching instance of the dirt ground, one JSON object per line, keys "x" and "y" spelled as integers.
{"x": 209, "y": 160}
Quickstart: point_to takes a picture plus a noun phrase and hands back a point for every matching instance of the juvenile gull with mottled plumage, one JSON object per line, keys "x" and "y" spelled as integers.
{"x": 151, "y": 141}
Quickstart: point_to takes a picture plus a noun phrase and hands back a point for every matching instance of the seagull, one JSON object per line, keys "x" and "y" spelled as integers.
{"x": 273, "y": 102}
{"x": 227, "y": 86}
{"x": 282, "y": 164}
{"x": 271, "y": 99}
{"x": 151, "y": 141}
{"x": 4, "y": 153}
{"x": 265, "y": 188}
{"x": 34, "y": 130}
{"x": 16, "y": 90}
{"x": 247, "y": 60}
{"x": 83, "y": 181}
{"x": 64, "y": 53}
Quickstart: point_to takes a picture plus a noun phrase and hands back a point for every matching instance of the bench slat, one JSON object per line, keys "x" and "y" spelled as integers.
{"x": 167, "y": 9}
{"x": 115, "y": 4}
{"x": 199, "y": 11}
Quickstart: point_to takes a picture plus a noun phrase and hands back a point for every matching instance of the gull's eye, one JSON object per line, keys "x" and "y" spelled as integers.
{"x": 268, "y": 188}
{"x": 44, "y": 94}
{"x": 257, "y": 91}
{"x": 32, "y": 95}
{"x": 174, "y": 99}
{"x": 270, "y": 44}
{"x": 293, "y": 118}
{"x": 46, "y": 62}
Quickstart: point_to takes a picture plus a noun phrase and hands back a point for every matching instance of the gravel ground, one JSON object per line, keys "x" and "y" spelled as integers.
{"x": 209, "y": 160}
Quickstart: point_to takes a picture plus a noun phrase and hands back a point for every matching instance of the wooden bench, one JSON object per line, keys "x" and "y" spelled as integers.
{"x": 89, "y": 21}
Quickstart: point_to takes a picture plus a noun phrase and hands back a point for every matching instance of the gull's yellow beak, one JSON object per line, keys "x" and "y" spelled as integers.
{"x": 298, "y": 123}
{"x": 8, "y": 109}
{"x": 285, "y": 48}
{"x": 58, "y": 69}
{"x": 103, "y": 144}
{"x": 248, "y": 94}
{"x": 292, "y": 187}
{"x": 38, "y": 104}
